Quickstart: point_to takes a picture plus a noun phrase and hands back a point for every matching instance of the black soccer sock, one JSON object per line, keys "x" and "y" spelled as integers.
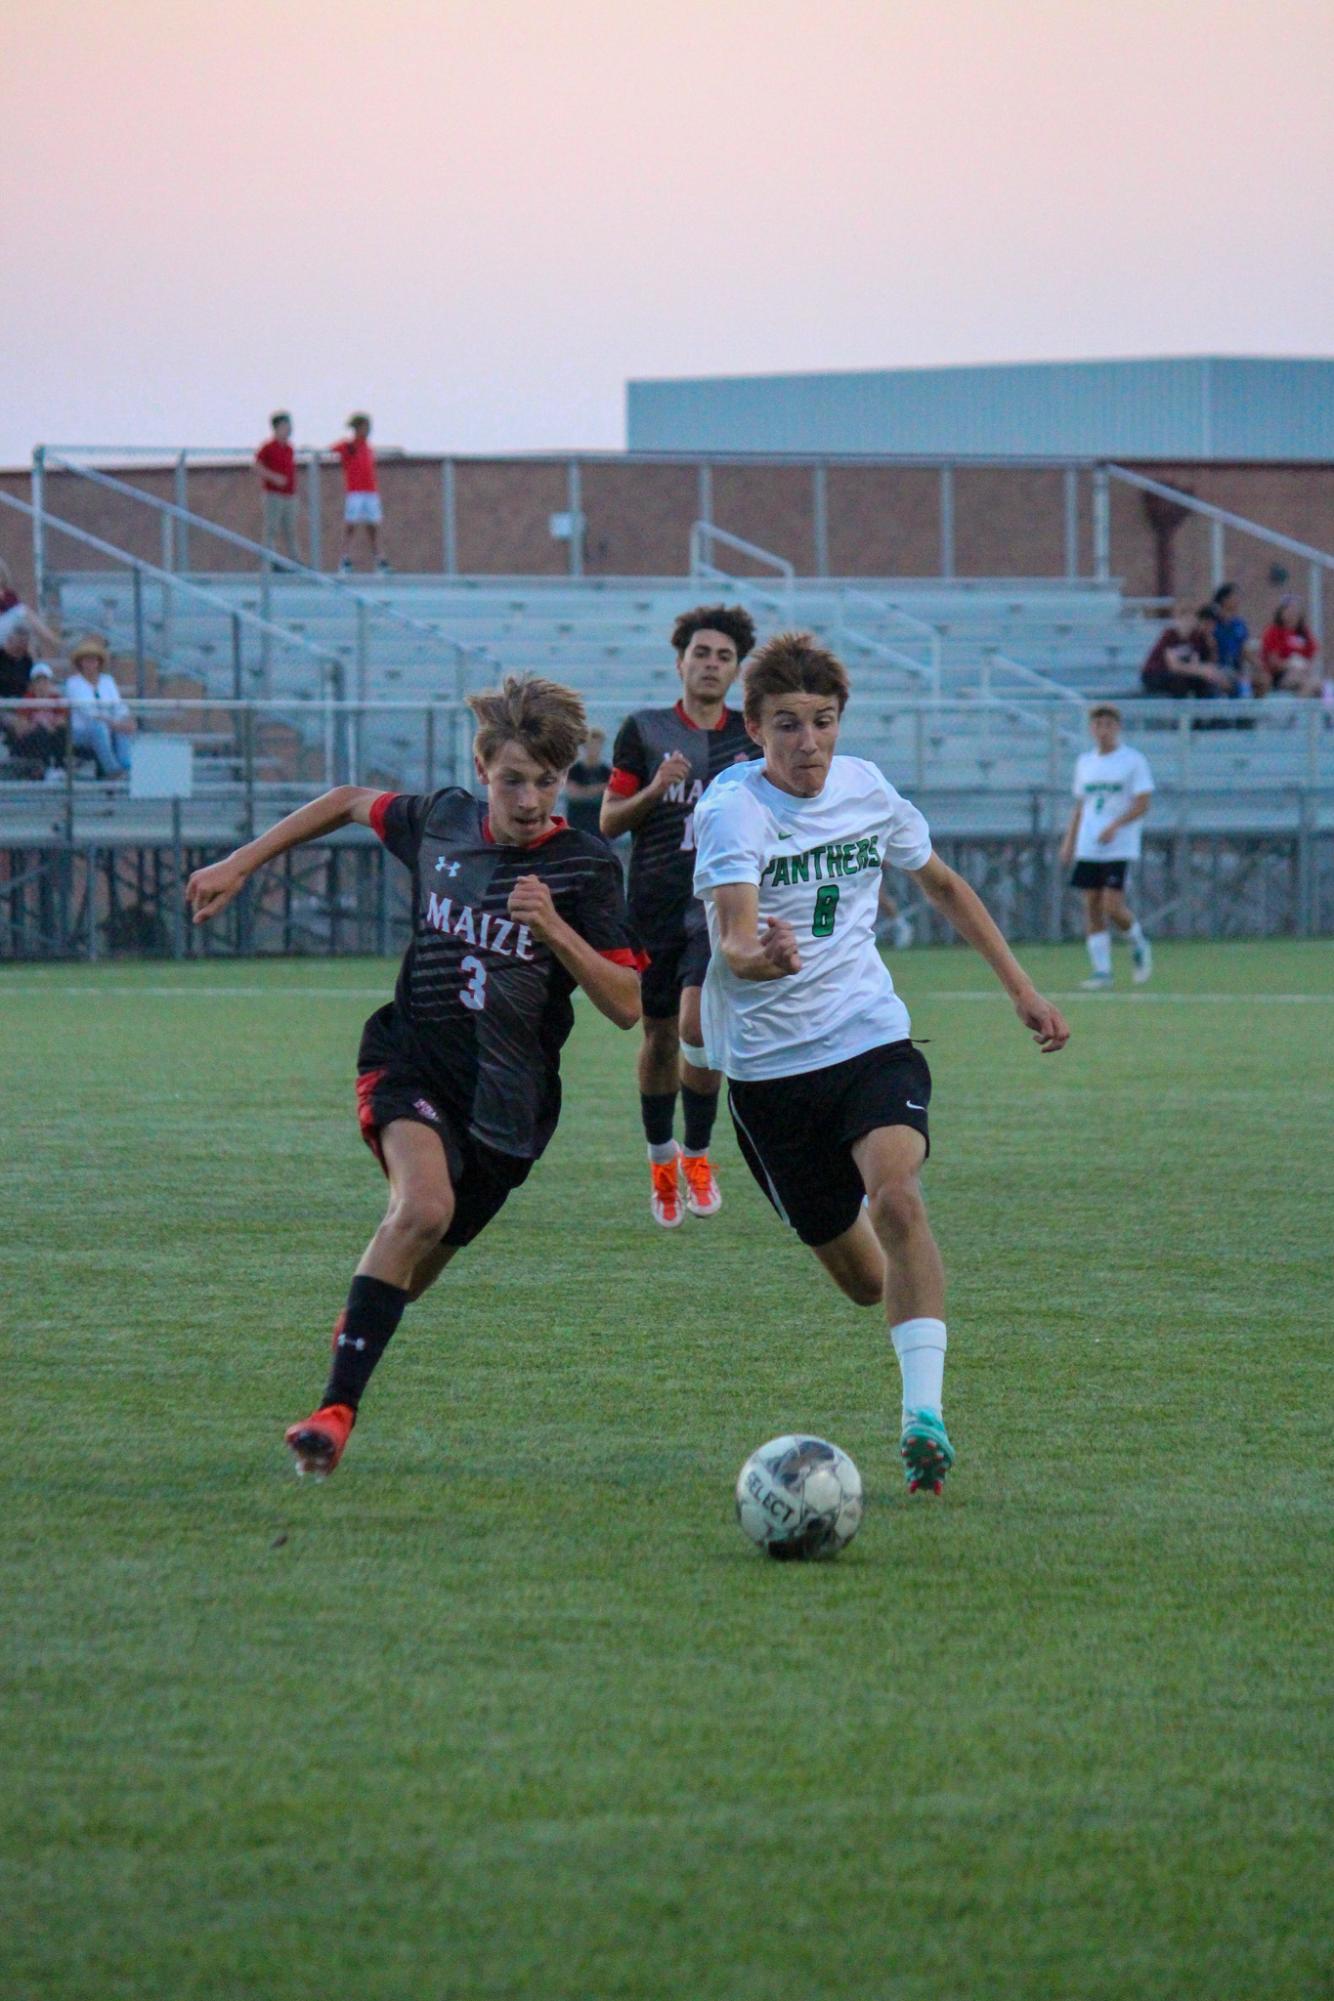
{"x": 658, "y": 1111}
{"x": 373, "y": 1311}
{"x": 701, "y": 1109}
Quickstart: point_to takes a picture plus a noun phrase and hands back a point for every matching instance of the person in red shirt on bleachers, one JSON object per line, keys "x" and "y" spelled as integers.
{"x": 361, "y": 499}
{"x": 276, "y": 463}
{"x": 1288, "y": 652}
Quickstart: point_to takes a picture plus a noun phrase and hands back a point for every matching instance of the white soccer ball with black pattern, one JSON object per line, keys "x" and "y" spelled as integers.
{"x": 799, "y": 1497}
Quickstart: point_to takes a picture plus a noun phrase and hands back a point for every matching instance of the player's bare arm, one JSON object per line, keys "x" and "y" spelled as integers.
{"x": 1136, "y": 810}
{"x": 211, "y": 889}
{"x": 753, "y": 952}
{"x": 962, "y": 907}
{"x": 1071, "y": 835}
{"x": 621, "y": 816}
{"x": 613, "y": 989}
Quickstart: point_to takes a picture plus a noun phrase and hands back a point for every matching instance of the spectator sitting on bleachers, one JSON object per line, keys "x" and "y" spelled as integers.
{"x": 1232, "y": 637}
{"x": 15, "y": 613}
{"x": 98, "y": 718}
{"x": 1288, "y": 653}
{"x": 16, "y": 665}
{"x": 39, "y": 725}
{"x": 1178, "y": 662}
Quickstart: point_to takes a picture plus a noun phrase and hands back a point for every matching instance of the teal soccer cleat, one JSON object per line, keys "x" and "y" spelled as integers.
{"x": 926, "y": 1451}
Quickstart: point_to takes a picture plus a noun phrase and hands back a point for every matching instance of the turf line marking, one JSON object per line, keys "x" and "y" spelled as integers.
{"x": 20, "y": 990}
{"x": 1144, "y": 1000}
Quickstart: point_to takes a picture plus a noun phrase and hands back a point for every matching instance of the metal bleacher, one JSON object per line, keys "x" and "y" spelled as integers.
{"x": 970, "y": 693}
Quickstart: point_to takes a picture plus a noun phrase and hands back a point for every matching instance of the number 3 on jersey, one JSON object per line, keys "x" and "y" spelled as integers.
{"x": 826, "y": 910}
{"x": 474, "y": 994}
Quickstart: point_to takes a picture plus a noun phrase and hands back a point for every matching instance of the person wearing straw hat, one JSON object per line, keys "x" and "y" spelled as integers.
{"x": 100, "y": 723}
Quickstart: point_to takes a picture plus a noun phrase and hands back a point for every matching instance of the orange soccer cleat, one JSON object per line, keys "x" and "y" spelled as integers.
{"x": 665, "y": 1192}
{"x": 318, "y": 1441}
{"x": 702, "y": 1195}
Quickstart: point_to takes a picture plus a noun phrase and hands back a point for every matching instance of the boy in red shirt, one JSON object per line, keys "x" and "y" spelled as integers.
{"x": 276, "y": 462}
{"x": 361, "y": 501}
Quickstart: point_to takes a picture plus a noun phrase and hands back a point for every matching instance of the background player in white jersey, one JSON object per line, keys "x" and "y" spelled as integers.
{"x": 827, "y": 1092}
{"x": 1113, "y": 787}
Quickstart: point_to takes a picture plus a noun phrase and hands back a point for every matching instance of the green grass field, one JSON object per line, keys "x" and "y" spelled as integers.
{"x": 508, "y": 1707}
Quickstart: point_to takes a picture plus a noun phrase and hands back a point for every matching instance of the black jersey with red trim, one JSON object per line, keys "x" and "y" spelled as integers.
{"x": 662, "y": 846}
{"x": 482, "y": 1007}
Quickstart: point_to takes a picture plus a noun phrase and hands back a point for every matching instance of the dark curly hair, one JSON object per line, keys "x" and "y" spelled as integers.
{"x": 732, "y": 619}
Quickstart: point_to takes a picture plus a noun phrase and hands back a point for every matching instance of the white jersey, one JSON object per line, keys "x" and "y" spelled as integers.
{"x": 1105, "y": 783}
{"x": 816, "y": 863}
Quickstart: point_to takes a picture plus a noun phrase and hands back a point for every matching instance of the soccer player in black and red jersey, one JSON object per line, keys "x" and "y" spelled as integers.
{"x": 458, "y": 1085}
{"x": 663, "y": 760}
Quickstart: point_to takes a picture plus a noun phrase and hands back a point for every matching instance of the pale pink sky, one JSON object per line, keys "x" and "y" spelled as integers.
{"x": 479, "y": 219}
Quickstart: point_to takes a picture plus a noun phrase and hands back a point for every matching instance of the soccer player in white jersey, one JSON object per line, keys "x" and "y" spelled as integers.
{"x": 1113, "y": 788}
{"x": 827, "y": 1092}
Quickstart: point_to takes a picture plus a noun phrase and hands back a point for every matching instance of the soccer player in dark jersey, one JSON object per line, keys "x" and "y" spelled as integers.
{"x": 458, "y": 1085}
{"x": 663, "y": 760}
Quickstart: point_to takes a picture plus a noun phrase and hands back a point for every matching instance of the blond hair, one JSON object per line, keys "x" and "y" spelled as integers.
{"x": 542, "y": 717}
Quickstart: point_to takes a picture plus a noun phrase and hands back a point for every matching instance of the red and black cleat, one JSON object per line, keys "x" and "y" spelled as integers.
{"x": 317, "y": 1442}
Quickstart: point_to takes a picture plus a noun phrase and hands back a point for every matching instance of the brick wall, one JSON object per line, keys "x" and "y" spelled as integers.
{"x": 882, "y": 519}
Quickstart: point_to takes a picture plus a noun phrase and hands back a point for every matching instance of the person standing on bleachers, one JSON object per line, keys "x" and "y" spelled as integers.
{"x": 361, "y": 491}
{"x": 276, "y": 463}
{"x": 1113, "y": 789}
{"x": 586, "y": 784}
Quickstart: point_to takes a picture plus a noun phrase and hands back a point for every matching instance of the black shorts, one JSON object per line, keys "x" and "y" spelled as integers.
{"x": 797, "y": 1133}
{"x": 483, "y": 1179}
{"x": 1099, "y": 875}
{"x": 673, "y": 963}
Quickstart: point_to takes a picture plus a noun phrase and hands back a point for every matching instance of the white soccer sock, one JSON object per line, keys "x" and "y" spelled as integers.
{"x": 920, "y": 1347}
{"x": 1136, "y": 933}
{"x": 1100, "y": 952}
{"x": 667, "y": 1151}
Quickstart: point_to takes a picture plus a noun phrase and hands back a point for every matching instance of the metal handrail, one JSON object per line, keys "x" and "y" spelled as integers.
{"x": 272, "y": 561}
{"x": 1033, "y": 677}
{"x": 1318, "y": 561}
{"x": 173, "y": 454}
{"x": 868, "y": 643}
{"x": 1224, "y": 515}
{"x": 236, "y": 613}
{"x": 885, "y": 608}
{"x": 708, "y": 531}
{"x": 702, "y": 532}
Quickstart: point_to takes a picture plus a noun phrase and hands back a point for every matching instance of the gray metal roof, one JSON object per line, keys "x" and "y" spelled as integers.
{"x": 1191, "y": 407}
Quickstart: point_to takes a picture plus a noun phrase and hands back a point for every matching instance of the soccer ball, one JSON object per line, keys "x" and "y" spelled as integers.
{"x": 799, "y": 1497}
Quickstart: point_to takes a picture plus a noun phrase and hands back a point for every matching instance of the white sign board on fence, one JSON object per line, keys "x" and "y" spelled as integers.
{"x": 163, "y": 767}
